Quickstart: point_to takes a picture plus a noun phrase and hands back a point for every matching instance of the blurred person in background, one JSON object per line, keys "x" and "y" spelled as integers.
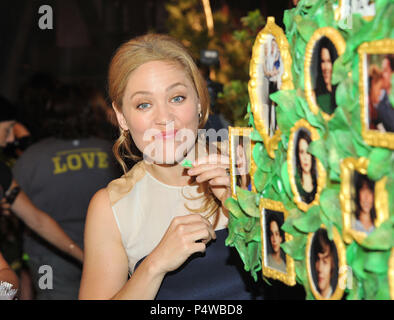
{"x": 14, "y": 201}
{"x": 60, "y": 173}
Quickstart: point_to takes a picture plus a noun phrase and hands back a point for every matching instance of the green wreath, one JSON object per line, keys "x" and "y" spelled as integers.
{"x": 340, "y": 137}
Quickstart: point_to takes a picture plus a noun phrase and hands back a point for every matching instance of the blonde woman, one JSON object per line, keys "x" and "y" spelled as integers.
{"x": 159, "y": 230}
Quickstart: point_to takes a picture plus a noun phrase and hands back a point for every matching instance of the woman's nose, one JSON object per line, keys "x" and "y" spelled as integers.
{"x": 164, "y": 114}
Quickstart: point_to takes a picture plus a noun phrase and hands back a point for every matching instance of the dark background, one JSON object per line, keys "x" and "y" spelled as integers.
{"x": 85, "y": 34}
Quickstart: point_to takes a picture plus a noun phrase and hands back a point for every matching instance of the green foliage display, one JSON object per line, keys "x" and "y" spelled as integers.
{"x": 340, "y": 137}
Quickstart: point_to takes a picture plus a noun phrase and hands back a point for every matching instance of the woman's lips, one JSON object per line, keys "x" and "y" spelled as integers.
{"x": 166, "y": 134}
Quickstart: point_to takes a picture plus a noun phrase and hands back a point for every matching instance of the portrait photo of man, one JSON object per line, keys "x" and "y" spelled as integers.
{"x": 275, "y": 236}
{"x": 324, "y": 264}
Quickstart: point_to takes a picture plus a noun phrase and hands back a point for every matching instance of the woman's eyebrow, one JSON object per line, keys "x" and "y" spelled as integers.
{"x": 175, "y": 85}
{"x": 150, "y": 93}
{"x": 140, "y": 92}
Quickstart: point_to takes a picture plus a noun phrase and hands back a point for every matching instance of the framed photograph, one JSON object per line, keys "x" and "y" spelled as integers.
{"x": 364, "y": 202}
{"x": 306, "y": 173}
{"x": 270, "y": 71}
{"x": 275, "y": 263}
{"x": 376, "y": 68}
{"x": 323, "y": 48}
{"x": 346, "y": 8}
{"x": 326, "y": 260}
{"x": 241, "y": 167}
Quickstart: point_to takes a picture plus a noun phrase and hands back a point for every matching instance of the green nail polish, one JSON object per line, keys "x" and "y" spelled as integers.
{"x": 187, "y": 163}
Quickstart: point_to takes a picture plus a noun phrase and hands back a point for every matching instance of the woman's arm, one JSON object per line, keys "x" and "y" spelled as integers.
{"x": 44, "y": 225}
{"x": 105, "y": 267}
{"x": 6, "y": 273}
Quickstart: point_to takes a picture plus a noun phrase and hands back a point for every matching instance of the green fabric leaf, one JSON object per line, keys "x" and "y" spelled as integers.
{"x": 295, "y": 248}
{"x": 233, "y": 206}
{"x": 381, "y": 238}
{"x": 255, "y": 136}
{"x": 377, "y": 261}
{"x": 318, "y": 149}
{"x": 330, "y": 205}
{"x": 378, "y": 163}
{"x": 355, "y": 257}
{"x": 310, "y": 221}
{"x": 260, "y": 178}
{"x": 286, "y": 180}
{"x": 246, "y": 200}
{"x": 306, "y": 28}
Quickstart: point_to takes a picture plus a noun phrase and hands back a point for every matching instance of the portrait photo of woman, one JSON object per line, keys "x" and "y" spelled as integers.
{"x": 275, "y": 236}
{"x": 324, "y": 264}
{"x": 242, "y": 149}
{"x": 364, "y": 213}
{"x": 324, "y": 56}
{"x": 273, "y": 70}
{"x": 305, "y": 167}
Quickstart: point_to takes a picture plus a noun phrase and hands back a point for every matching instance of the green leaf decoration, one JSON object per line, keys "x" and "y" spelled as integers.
{"x": 330, "y": 205}
{"x": 377, "y": 262}
{"x": 306, "y": 28}
{"x": 339, "y": 138}
{"x": 246, "y": 200}
{"x": 318, "y": 149}
{"x": 255, "y": 136}
{"x": 260, "y": 177}
{"x": 296, "y": 247}
{"x": 378, "y": 160}
{"x": 310, "y": 221}
{"x": 233, "y": 206}
{"x": 381, "y": 238}
{"x": 286, "y": 180}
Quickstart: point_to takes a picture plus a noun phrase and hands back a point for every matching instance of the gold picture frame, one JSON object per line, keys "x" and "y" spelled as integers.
{"x": 319, "y": 180}
{"x": 259, "y": 84}
{"x": 348, "y": 167}
{"x": 337, "y": 42}
{"x": 275, "y": 208}
{"x": 378, "y": 47}
{"x": 341, "y": 12}
{"x": 251, "y": 165}
{"x": 340, "y": 275}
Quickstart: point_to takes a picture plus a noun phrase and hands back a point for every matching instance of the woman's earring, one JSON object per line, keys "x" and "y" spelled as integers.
{"x": 200, "y": 114}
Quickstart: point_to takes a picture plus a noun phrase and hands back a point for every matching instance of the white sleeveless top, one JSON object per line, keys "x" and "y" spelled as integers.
{"x": 144, "y": 207}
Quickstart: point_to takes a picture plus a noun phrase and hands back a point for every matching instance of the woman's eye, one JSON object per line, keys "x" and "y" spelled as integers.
{"x": 143, "y": 106}
{"x": 178, "y": 99}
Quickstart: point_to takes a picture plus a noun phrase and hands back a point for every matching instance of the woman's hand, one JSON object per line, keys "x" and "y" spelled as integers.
{"x": 215, "y": 170}
{"x": 185, "y": 236}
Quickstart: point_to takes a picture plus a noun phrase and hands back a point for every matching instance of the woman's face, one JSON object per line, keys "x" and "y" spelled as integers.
{"x": 366, "y": 198}
{"x": 376, "y": 87}
{"x": 160, "y": 108}
{"x": 241, "y": 160}
{"x": 326, "y": 65}
{"x": 6, "y": 132}
{"x": 304, "y": 156}
{"x": 275, "y": 237}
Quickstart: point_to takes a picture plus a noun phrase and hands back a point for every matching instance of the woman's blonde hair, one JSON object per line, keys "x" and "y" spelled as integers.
{"x": 131, "y": 55}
